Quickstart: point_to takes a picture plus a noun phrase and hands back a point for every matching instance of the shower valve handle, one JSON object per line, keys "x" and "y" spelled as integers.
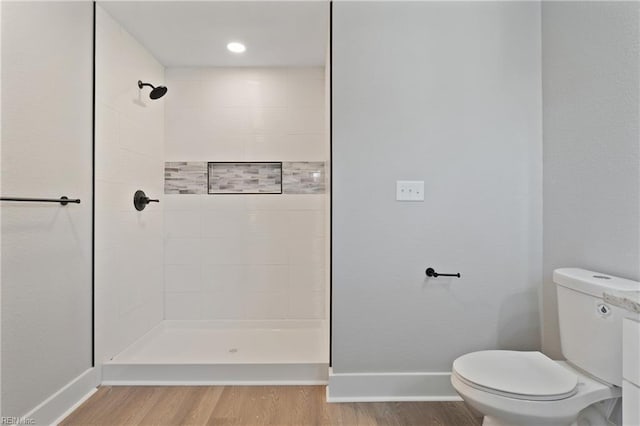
{"x": 140, "y": 200}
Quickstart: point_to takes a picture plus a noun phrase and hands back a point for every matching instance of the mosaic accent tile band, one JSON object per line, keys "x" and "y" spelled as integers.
{"x": 304, "y": 177}
{"x": 185, "y": 178}
{"x": 293, "y": 177}
{"x": 245, "y": 178}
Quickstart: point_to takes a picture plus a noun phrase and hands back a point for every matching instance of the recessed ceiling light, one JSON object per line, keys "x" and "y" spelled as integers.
{"x": 236, "y": 47}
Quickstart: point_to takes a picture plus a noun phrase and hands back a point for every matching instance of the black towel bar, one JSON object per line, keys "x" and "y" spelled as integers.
{"x": 62, "y": 200}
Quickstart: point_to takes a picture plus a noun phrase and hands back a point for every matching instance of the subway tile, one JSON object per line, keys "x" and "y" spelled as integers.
{"x": 182, "y": 223}
{"x": 182, "y": 306}
{"x": 309, "y": 223}
{"x": 267, "y": 88}
{"x": 224, "y": 251}
{"x": 266, "y": 278}
{"x": 224, "y": 224}
{"x": 225, "y": 89}
{"x": 317, "y": 73}
{"x": 306, "y": 251}
{"x": 216, "y": 278}
{"x": 286, "y": 202}
{"x": 184, "y": 94}
{"x": 228, "y": 147}
{"x": 228, "y": 121}
{"x": 183, "y": 251}
{"x": 185, "y": 132}
{"x": 306, "y": 92}
{"x": 266, "y": 251}
{"x": 269, "y": 120}
{"x": 182, "y": 278}
{"x": 267, "y": 223}
{"x": 304, "y": 147}
{"x": 306, "y": 305}
{"x": 223, "y": 305}
{"x": 227, "y": 202}
{"x": 185, "y": 73}
{"x": 306, "y": 120}
{"x": 113, "y": 196}
{"x": 173, "y": 202}
{"x": 267, "y": 305}
{"x": 307, "y": 278}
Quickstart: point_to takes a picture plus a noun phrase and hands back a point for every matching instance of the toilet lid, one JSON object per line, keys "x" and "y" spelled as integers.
{"x": 523, "y": 374}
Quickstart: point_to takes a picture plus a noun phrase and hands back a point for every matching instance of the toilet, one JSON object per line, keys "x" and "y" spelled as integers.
{"x": 517, "y": 388}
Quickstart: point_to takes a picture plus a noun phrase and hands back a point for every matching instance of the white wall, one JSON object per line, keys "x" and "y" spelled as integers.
{"x": 448, "y": 93}
{"x": 129, "y": 156}
{"x": 245, "y": 256}
{"x": 591, "y": 82}
{"x": 46, "y": 152}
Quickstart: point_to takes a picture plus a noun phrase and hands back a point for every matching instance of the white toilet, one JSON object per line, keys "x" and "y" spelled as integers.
{"x": 529, "y": 389}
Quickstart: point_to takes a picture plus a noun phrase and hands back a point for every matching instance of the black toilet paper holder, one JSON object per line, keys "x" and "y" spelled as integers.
{"x": 432, "y": 273}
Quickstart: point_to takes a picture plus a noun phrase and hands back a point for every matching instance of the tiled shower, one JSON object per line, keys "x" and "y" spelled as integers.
{"x": 239, "y": 162}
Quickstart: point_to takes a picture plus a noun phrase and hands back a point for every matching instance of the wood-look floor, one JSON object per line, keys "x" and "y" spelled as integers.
{"x": 254, "y": 406}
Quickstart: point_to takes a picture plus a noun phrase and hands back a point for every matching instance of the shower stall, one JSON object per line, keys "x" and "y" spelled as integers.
{"x": 225, "y": 279}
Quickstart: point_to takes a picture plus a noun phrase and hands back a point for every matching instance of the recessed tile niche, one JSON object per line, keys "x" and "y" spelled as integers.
{"x": 245, "y": 178}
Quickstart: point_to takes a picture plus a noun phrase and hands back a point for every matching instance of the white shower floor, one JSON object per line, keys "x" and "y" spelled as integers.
{"x": 230, "y": 342}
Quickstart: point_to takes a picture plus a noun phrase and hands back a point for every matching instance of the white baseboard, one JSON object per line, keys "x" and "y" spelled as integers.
{"x": 59, "y": 405}
{"x": 213, "y": 374}
{"x": 75, "y": 406}
{"x": 377, "y": 387}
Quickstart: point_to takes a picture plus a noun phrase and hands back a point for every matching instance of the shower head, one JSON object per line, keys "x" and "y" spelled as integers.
{"x": 156, "y": 92}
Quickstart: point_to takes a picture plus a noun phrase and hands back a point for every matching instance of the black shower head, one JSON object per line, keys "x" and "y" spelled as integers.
{"x": 156, "y": 92}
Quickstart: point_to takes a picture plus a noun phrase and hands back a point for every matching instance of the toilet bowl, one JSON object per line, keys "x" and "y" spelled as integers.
{"x": 529, "y": 389}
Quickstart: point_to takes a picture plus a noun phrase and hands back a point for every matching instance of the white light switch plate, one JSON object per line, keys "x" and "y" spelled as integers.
{"x": 410, "y": 190}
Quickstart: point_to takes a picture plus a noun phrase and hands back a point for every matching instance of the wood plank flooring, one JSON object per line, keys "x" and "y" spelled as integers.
{"x": 255, "y": 406}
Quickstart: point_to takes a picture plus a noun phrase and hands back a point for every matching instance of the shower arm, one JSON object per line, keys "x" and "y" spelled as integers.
{"x": 141, "y": 84}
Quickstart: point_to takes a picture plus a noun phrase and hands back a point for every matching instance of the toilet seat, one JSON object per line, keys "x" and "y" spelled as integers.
{"x": 529, "y": 412}
{"x": 528, "y": 376}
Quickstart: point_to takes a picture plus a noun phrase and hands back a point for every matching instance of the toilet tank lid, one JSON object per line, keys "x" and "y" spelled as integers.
{"x": 593, "y": 283}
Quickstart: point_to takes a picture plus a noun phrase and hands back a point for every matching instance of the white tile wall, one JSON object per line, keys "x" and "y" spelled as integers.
{"x": 245, "y": 256}
{"x": 129, "y": 156}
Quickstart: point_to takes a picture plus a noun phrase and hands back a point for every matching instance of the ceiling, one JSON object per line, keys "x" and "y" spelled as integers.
{"x": 196, "y": 33}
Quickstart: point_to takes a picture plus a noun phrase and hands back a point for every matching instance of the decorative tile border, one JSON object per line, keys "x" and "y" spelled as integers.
{"x": 293, "y": 177}
{"x": 245, "y": 178}
{"x": 304, "y": 177}
{"x": 185, "y": 178}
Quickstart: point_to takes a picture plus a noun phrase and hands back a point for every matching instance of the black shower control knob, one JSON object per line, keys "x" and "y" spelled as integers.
{"x": 140, "y": 200}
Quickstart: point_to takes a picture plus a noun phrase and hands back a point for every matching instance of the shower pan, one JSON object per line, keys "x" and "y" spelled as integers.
{"x": 225, "y": 353}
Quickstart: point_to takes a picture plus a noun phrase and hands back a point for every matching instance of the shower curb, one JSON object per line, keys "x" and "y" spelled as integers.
{"x": 214, "y": 374}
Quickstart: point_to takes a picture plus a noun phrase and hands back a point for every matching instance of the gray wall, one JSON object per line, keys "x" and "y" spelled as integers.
{"x": 448, "y": 93}
{"x": 46, "y": 152}
{"x": 591, "y": 141}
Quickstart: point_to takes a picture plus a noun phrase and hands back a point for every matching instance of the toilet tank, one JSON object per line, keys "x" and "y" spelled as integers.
{"x": 590, "y": 328}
